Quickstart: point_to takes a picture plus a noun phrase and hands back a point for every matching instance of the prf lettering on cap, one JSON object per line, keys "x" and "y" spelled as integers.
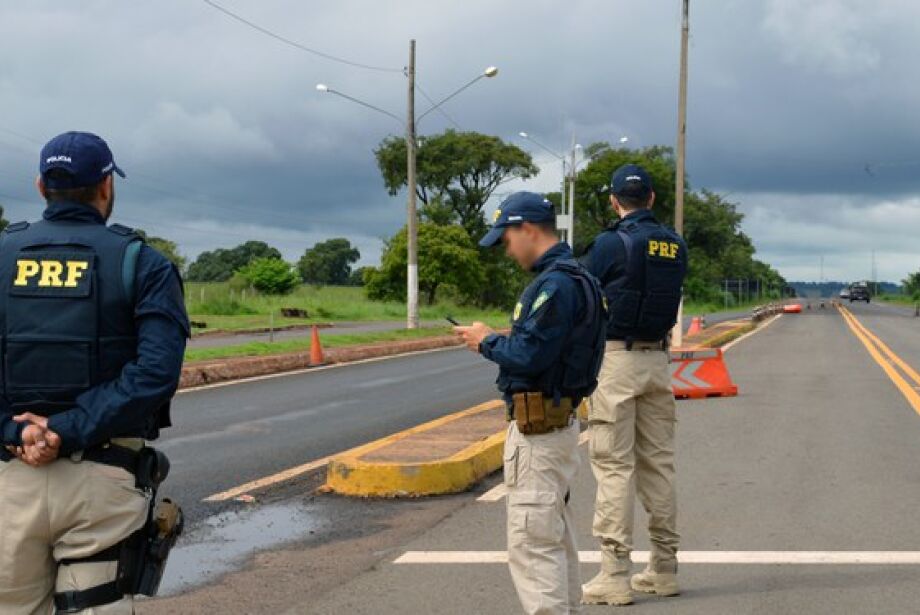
{"x": 53, "y": 274}
{"x": 663, "y": 249}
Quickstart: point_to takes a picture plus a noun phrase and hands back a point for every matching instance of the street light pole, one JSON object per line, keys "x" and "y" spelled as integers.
{"x": 677, "y": 335}
{"x": 411, "y": 215}
{"x": 411, "y": 124}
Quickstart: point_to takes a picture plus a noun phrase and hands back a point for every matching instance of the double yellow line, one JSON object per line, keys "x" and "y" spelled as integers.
{"x": 887, "y": 359}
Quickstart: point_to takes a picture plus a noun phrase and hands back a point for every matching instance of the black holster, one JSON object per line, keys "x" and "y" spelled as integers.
{"x": 141, "y": 556}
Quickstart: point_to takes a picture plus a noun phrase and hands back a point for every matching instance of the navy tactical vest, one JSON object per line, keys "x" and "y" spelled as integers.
{"x": 67, "y": 310}
{"x": 643, "y": 302}
{"x": 575, "y": 373}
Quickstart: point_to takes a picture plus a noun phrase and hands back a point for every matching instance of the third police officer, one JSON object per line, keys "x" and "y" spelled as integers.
{"x": 547, "y": 365}
{"x": 641, "y": 265}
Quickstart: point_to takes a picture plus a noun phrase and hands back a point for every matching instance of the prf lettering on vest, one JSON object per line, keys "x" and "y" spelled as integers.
{"x": 663, "y": 249}
{"x": 52, "y": 273}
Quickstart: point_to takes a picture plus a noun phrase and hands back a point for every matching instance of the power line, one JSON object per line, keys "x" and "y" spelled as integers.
{"x": 297, "y": 45}
{"x": 437, "y": 108}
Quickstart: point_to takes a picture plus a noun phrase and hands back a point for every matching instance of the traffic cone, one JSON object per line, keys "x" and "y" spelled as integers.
{"x": 696, "y": 325}
{"x": 700, "y": 373}
{"x": 316, "y": 348}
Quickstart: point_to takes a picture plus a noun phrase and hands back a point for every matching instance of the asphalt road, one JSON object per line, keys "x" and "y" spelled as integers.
{"x": 819, "y": 452}
{"x": 229, "y": 435}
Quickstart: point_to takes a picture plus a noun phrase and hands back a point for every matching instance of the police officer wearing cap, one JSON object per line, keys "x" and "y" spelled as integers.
{"x": 641, "y": 265}
{"x": 547, "y": 365}
{"x": 93, "y": 327}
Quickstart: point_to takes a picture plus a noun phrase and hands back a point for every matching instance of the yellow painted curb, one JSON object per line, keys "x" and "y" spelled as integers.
{"x": 347, "y": 474}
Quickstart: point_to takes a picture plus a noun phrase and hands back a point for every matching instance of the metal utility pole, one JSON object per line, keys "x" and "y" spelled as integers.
{"x": 412, "y": 217}
{"x": 677, "y": 336}
{"x": 570, "y": 212}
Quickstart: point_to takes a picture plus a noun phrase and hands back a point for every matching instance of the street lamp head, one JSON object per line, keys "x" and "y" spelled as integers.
{"x": 322, "y": 87}
{"x": 523, "y": 135}
{"x": 578, "y": 146}
{"x": 490, "y": 72}
{"x": 624, "y": 139}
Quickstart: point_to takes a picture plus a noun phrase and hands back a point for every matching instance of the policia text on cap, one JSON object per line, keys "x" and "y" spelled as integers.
{"x": 93, "y": 328}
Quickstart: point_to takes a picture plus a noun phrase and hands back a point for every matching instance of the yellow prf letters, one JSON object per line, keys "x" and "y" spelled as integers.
{"x": 51, "y": 273}
{"x": 663, "y": 249}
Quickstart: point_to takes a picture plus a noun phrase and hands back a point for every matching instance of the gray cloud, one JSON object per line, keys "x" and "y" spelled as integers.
{"x": 223, "y": 135}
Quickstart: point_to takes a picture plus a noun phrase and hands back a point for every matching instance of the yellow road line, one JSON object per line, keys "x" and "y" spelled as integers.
{"x": 910, "y": 371}
{"x": 912, "y": 396}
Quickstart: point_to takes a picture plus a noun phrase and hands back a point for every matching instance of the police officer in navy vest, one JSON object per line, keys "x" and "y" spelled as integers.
{"x": 547, "y": 365}
{"x": 93, "y": 327}
{"x": 641, "y": 265}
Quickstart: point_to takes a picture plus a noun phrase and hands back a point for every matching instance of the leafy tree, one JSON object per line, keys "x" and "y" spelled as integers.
{"x": 592, "y": 198}
{"x": 328, "y": 262}
{"x": 455, "y": 170}
{"x": 220, "y": 265}
{"x": 447, "y": 258}
{"x": 167, "y": 248}
{"x": 357, "y": 276}
{"x": 271, "y": 276}
{"x": 3, "y": 221}
{"x": 912, "y": 285}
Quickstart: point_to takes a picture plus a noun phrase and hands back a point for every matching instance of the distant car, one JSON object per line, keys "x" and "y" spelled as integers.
{"x": 859, "y": 293}
{"x": 845, "y": 293}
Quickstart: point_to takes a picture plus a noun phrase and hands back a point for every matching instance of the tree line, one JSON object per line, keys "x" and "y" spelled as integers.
{"x": 457, "y": 174}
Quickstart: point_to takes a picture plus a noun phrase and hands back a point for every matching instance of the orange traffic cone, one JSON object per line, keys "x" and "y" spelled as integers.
{"x": 700, "y": 373}
{"x": 316, "y": 348}
{"x": 696, "y": 325}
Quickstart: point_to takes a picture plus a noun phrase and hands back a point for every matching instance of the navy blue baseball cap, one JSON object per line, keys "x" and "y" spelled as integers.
{"x": 85, "y": 157}
{"x": 518, "y": 208}
{"x": 631, "y": 180}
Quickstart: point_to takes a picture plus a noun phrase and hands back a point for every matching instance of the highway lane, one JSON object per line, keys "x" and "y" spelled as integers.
{"x": 818, "y": 453}
{"x": 228, "y": 435}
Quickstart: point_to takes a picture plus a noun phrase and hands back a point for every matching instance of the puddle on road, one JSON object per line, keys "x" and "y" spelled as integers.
{"x": 223, "y": 542}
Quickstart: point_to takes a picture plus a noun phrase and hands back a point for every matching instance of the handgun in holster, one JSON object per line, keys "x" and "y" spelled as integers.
{"x": 141, "y": 556}
{"x": 144, "y": 553}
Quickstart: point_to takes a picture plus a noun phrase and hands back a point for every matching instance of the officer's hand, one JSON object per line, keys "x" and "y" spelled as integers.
{"x": 39, "y": 444}
{"x": 474, "y": 334}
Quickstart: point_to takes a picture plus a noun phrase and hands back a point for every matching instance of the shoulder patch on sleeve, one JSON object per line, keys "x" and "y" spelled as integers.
{"x": 544, "y": 296}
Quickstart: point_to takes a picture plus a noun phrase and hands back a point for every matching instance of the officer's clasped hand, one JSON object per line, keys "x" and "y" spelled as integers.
{"x": 40, "y": 445}
{"x": 473, "y": 334}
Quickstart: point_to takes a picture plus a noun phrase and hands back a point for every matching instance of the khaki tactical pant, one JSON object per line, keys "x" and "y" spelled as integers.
{"x": 631, "y": 421}
{"x": 542, "y": 554}
{"x": 64, "y": 510}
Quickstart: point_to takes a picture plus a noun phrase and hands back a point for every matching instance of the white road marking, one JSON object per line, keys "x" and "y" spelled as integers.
{"x": 732, "y": 343}
{"x": 872, "y": 558}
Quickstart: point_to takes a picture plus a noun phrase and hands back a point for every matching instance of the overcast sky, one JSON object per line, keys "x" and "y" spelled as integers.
{"x": 224, "y": 137}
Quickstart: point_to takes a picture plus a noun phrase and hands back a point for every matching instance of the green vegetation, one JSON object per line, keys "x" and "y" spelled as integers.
{"x": 718, "y": 247}
{"x": 254, "y": 349}
{"x": 447, "y": 260}
{"x": 270, "y": 276}
{"x": 329, "y": 262}
{"x": 220, "y": 265}
{"x": 224, "y": 307}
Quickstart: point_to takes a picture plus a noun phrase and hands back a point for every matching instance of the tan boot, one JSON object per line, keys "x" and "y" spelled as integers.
{"x": 651, "y": 582}
{"x": 611, "y": 585}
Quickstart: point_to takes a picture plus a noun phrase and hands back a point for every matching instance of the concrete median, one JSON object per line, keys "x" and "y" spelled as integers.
{"x": 447, "y": 455}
